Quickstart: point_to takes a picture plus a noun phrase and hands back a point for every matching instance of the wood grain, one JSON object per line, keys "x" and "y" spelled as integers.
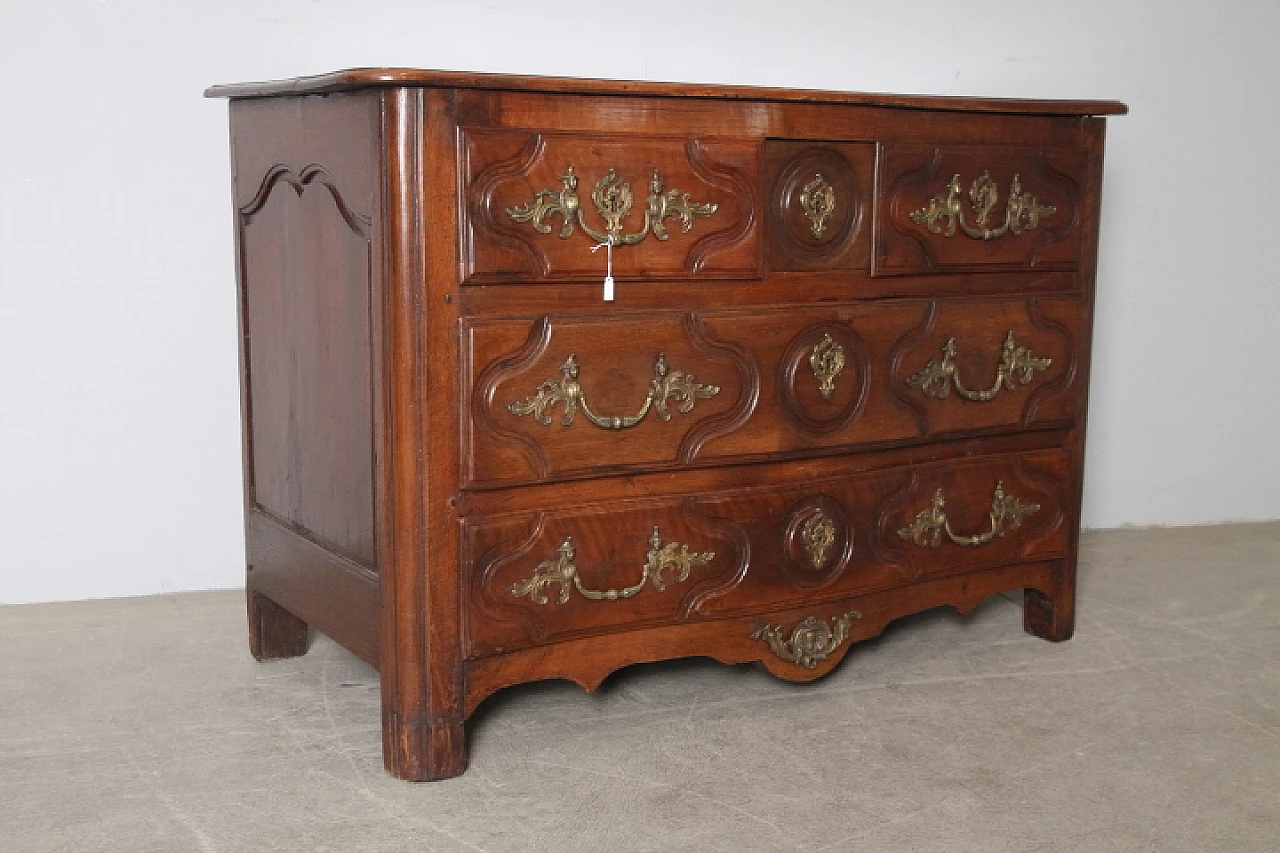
{"x": 393, "y": 314}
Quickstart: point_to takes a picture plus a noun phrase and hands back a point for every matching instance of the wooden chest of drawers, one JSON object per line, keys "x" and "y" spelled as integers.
{"x": 843, "y": 379}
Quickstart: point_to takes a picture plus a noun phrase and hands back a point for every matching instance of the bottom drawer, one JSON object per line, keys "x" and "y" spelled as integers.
{"x": 575, "y": 571}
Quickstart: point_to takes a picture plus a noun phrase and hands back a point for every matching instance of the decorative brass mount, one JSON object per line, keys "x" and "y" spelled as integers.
{"x": 1017, "y": 365}
{"x": 613, "y": 200}
{"x": 932, "y": 522}
{"x": 666, "y": 385}
{"x": 818, "y": 200}
{"x": 811, "y": 642}
{"x": 672, "y": 556}
{"x": 818, "y": 535}
{"x": 826, "y": 362}
{"x": 1023, "y": 211}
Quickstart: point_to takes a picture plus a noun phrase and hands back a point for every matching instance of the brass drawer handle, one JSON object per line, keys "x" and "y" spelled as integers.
{"x": 811, "y": 642}
{"x": 826, "y": 362}
{"x": 931, "y": 523}
{"x": 613, "y": 200}
{"x": 1022, "y": 212}
{"x": 1017, "y": 365}
{"x": 667, "y": 385}
{"x": 673, "y": 556}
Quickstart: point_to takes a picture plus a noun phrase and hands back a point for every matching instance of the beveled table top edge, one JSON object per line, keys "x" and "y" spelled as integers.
{"x": 360, "y": 78}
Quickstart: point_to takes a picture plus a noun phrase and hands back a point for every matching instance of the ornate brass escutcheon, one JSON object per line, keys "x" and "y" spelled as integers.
{"x": 667, "y": 385}
{"x": 818, "y": 200}
{"x": 818, "y": 535}
{"x": 826, "y": 362}
{"x": 1017, "y": 365}
{"x": 613, "y": 201}
{"x": 672, "y": 556}
{"x": 1006, "y": 513}
{"x": 1023, "y": 211}
{"x": 811, "y": 642}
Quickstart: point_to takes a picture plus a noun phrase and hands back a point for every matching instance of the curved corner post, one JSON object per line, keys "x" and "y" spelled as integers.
{"x": 420, "y": 659}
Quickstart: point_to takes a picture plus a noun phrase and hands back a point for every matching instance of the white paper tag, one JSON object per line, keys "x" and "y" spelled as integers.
{"x": 608, "y": 271}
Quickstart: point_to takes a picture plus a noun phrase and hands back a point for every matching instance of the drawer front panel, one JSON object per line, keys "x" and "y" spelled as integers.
{"x": 601, "y": 395}
{"x": 957, "y": 208}
{"x": 990, "y": 364}
{"x": 556, "y": 398}
{"x": 537, "y": 203}
{"x": 817, "y": 203}
{"x": 543, "y": 577}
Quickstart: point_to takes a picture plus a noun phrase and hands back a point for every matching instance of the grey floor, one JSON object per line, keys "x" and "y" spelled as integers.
{"x": 143, "y": 725}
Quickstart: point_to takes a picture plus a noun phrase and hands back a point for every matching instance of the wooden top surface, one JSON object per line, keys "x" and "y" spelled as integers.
{"x": 358, "y": 78}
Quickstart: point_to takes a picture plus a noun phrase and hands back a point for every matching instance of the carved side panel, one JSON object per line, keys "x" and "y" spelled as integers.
{"x": 679, "y": 206}
{"x": 817, "y": 205}
{"x": 306, "y": 274}
{"x": 959, "y": 209}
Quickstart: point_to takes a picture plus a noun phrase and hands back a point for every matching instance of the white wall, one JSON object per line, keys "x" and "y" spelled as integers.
{"x": 119, "y": 447}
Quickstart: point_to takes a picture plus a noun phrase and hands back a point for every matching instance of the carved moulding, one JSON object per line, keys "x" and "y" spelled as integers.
{"x": 1043, "y": 322}
{"x": 299, "y": 181}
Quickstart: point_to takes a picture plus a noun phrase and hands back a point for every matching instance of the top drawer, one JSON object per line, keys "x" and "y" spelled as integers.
{"x": 537, "y": 204}
{"x": 977, "y": 209}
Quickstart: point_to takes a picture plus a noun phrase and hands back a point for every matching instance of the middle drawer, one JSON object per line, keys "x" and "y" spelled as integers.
{"x": 552, "y": 398}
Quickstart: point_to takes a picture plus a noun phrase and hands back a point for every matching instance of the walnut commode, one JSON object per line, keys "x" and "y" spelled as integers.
{"x": 542, "y": 378}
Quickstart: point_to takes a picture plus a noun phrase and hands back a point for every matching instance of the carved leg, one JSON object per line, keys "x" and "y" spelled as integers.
{"x": 1052, "y": 614}
{"x": 273, "y": 631}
